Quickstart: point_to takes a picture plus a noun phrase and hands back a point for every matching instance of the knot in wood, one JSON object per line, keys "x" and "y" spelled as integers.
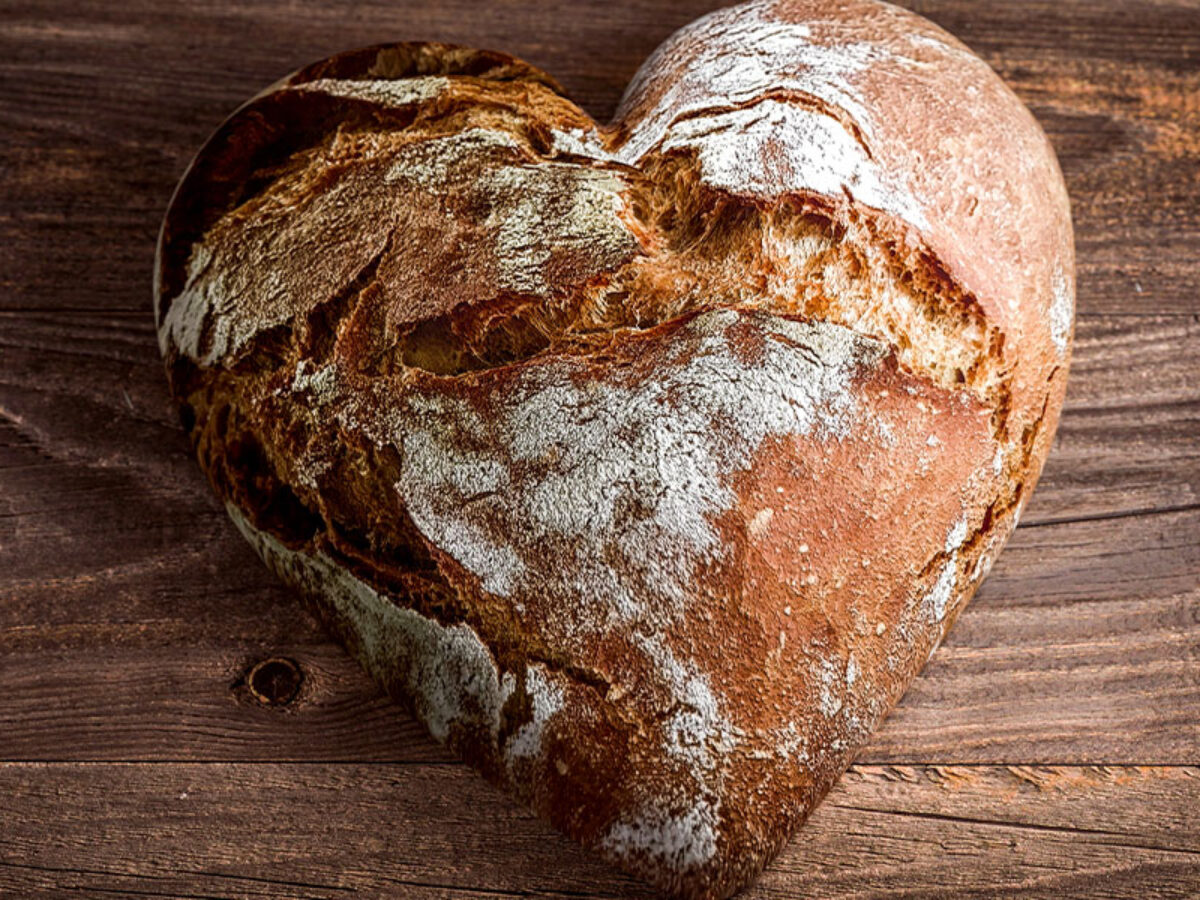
{"x": 275, "y": 681}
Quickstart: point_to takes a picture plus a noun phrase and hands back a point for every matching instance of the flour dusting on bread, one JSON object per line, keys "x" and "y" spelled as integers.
{"x": 724, "y": 105}
{"x": 1062, "y": 310}
{"x": 656, "y": 837}
{"x": 547, "y": 699}
{"x": 449, "y": 673}
{"x": 632, "y": 467}
{"x": 773, "y": 148}
{"x": 573, "y": 209}
{"x": 401, "y": 92}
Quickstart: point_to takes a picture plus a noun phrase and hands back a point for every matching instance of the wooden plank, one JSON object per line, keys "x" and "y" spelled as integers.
{"x": 1129, "y": 437}
{"x": 103, "y": 105}
{"x": 1022, "y": 831}
{"x": 131, "y": 610}
{"x": 329, "y": 830}
{"x": 1038, "y": 669}
{"x": 1073, "y": 652}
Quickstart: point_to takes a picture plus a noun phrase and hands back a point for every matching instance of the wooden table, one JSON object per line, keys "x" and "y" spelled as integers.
{"x": 1049, "y": 749}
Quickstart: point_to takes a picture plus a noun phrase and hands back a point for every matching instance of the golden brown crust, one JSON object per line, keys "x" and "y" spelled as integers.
{"x": 648, "y": 463}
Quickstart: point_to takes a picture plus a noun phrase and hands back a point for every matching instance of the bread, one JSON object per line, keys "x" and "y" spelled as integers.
{"x": 645, "y": 463}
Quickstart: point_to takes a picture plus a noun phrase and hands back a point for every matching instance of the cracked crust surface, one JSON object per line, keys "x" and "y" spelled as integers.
{"x": 646, "y": 463}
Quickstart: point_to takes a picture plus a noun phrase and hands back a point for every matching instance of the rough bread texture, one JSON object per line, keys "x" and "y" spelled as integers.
{"x": 646, "y": 463}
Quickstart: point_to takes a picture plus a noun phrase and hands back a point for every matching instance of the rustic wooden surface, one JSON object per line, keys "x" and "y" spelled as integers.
{"x": 1051, "y": 748}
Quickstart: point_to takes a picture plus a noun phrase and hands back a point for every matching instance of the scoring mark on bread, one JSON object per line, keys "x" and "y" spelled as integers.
{"x": 734, "y": 56}
{"x": 540, "y": 211}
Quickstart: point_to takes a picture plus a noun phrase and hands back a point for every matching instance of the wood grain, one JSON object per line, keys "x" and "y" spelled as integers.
{"x": 135, "y": 760}
{"x": 269, "y": 829}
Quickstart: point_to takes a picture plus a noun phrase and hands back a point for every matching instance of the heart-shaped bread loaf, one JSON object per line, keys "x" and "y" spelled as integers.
{"x": 645, "y": 463}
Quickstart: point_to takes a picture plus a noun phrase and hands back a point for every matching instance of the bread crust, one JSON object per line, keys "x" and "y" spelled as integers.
{"x": 645, "y": 463}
